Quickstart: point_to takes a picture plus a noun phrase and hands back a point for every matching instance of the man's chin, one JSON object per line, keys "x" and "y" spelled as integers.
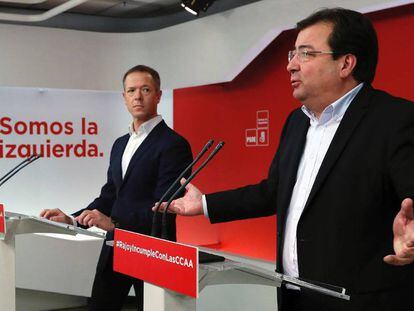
{"x": 142, "y": 117}
{"x": 297, "y": 94}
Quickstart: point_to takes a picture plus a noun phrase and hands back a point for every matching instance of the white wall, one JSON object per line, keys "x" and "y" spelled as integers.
{"x": 207, "y": 50}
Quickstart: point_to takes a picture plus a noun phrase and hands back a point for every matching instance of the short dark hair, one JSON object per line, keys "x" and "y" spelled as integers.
{"x": 142, "y": 68}
{"x": 352, "y": 33}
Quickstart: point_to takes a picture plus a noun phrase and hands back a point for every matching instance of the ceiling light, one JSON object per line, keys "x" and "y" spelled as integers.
{"x": 195, "y": 6}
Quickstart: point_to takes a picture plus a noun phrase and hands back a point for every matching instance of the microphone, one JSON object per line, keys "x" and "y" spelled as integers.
{"x": 164, "y": 234}
{"x": 154, "y": 228}
{"x": 18, "y": 168}
{"x": 14, "y": 168}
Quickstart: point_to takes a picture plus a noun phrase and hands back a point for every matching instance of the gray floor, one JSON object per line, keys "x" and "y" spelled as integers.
{"x": 32, "y": 300}
{"x": 129, "y": 306}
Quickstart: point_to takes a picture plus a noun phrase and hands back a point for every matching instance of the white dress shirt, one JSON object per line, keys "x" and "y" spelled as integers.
{"x": 320, "y": 134}
{"x": 136, "y": 139}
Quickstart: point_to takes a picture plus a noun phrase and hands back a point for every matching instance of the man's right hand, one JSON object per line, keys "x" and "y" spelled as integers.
{"x": 189, "y": 205}
{"x": 403, "y": 229}
{"x": 56, "y": 215}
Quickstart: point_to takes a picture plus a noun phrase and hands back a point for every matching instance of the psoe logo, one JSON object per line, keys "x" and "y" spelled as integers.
{"x": 258, "y": 136}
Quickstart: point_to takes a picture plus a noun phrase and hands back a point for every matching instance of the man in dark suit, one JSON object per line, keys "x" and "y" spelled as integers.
{"x": 143, "y": 164}
{"x": 343, "y": 168}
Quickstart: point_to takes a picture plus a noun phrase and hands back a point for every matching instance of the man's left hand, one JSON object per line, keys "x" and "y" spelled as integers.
{"x": 403, "y": 228}
{"x": 95, "y": 218}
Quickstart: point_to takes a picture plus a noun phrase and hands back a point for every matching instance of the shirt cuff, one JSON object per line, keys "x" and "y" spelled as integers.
{"x": 204, "y": 201}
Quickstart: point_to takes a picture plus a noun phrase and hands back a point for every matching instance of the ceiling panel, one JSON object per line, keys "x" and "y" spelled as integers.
{"x": 108, "y": 8}
{"x": 115, "y": 15}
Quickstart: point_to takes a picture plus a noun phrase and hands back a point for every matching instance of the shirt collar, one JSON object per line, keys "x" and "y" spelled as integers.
{"x": 145, "y": 127}
{"x": 336, "y": 110}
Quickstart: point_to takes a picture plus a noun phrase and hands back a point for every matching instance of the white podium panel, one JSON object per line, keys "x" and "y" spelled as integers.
{"x": 7, "y": 271}
{"x": 233, "y": 270}
{"x": 21, "y": 224}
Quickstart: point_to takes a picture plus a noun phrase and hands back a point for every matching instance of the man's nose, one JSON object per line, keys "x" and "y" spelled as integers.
{"x": 138, "y": 94}
{"x": 293, "y": 64}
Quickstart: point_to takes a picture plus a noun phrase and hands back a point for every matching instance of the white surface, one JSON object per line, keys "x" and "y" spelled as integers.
{"x": 7, "y": 274}
{"x": 158, "y": 299}
{"x": 56, "y": 265}
{"x": 237, "y": 297}
{"x": 33, "y": 257}
{"x": 231, "y": 294}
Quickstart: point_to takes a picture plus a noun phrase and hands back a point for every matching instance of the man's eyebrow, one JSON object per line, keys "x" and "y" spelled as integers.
{"x": 305, "y": 46}
{"x": 135, "y": 87}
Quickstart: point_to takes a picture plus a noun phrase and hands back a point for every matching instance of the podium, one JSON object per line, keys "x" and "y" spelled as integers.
{"x": 138, "y": 253}
{"x": 22, "y": 224}
{"x": 229, "y": 271}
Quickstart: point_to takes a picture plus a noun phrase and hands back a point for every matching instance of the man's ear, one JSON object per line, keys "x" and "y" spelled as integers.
{"x": 348, "y": 65}
{"x": 124, "y": 97}
{"x": 159, "y": 96}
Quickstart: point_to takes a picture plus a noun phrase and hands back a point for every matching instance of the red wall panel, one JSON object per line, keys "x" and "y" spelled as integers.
{"x": 224, "y": 111}
{"x": 395, "y": 70}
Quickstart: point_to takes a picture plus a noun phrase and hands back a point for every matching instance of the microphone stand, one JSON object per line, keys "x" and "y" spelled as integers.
{"x": 18, "y": 168}
{"x": 154, "y": 228}
{"x": 164, "y": 234}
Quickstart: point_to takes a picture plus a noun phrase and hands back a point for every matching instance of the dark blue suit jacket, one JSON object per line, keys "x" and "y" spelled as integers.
{"x": 158, "y": 161}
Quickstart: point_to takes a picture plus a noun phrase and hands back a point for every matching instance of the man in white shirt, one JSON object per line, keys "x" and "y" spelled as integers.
{"x": 342, "y": 177}
{"x": 143, "y": 165}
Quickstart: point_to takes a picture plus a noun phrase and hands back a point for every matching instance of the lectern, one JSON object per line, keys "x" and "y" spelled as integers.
{"x": 21, "y": 224}
{"x": 160, "y": 262}
{"x": 228, "y": 271}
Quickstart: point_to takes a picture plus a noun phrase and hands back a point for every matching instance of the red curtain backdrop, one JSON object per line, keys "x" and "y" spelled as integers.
{"x": 224, "y": 112}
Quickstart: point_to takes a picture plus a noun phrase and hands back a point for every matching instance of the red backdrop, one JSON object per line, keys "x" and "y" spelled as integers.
{"x": 224, "y": 111}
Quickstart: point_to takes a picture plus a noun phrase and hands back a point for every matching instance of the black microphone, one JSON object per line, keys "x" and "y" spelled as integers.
{"x": 18, "y": 168}
{"x": 154, "y": 229}
{"x": 164, "y": 234}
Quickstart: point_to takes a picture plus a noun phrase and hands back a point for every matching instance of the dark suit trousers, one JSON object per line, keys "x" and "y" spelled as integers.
{"x": 110, "y": 290}
{"x": 305, "y": 300}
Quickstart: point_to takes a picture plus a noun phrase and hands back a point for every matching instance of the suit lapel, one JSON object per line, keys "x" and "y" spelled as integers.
{"x": 145, "y": 145}
{"x": 349, "y": 123}
{"x": 293, "y": 152}
{"x": 117, "y": 170}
